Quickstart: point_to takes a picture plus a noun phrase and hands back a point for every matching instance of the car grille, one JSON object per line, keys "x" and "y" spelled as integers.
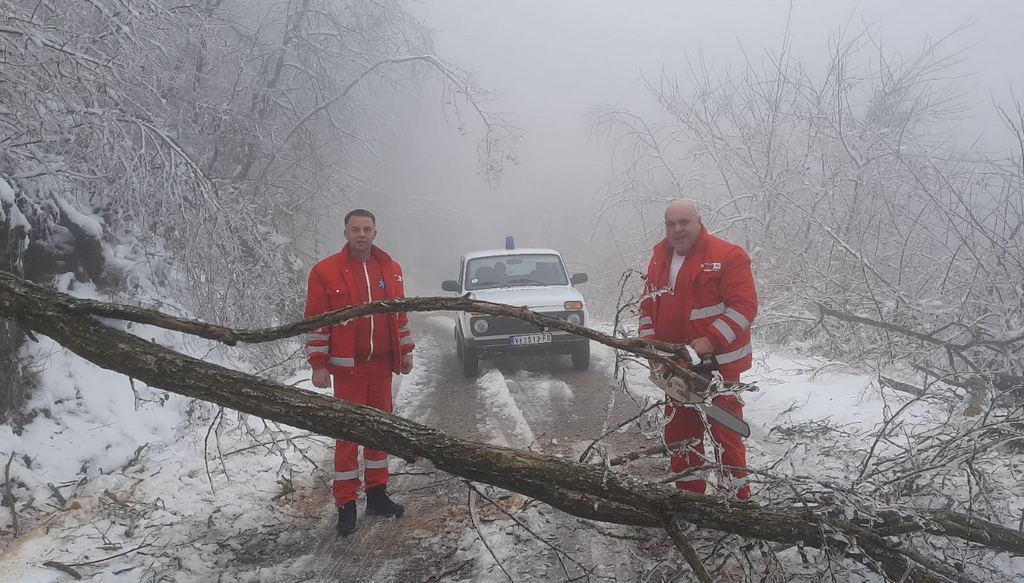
{"x": 504, "y": 325}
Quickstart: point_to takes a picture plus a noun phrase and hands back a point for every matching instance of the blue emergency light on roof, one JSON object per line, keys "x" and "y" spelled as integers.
{"x": 510, "y": 242}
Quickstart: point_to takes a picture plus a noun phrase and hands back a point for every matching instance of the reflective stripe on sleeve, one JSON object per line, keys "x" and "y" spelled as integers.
{"x": 405, "y": 341}
{"x": 338, "y": 361}
{"x": 701, "y": 313}
{"x": 725, "y": 331}
{"x": 646, "y": 321}
{"x": 343, "y": 476}
{"x": 734, "y": 355}
{"x": 739, "y": 318}
{"x": 316, "y": 350}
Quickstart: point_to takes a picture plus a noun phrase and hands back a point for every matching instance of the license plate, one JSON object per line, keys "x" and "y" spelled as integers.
{"x": 527, "y": 339}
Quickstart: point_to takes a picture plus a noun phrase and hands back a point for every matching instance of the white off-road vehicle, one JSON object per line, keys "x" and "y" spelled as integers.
{"x": 531, "y": 278}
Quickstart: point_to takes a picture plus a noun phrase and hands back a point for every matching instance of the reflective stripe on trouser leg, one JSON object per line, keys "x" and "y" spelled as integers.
{"x": 378, "y": 395}
{"x": 380, "y": 464}
{"x": 685, "y": 424}
{"x": 346, "y": 472}
{"x": 734, "y": 453}
{"x": 375, "y": 464}
{"x": 693, "y": 482}
{"x": 348, "y": 387}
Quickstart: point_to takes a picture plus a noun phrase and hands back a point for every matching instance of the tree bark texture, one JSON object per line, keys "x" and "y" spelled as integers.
{"x": 583, "y": 490}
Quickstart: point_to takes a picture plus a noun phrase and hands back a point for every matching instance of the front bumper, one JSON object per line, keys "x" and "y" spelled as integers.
{"x": 496, "y": 346}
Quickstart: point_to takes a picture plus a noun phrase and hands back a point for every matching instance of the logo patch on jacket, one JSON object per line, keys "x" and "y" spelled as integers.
{"x": 381, "y": 284}
{"x": 711, "y": 266}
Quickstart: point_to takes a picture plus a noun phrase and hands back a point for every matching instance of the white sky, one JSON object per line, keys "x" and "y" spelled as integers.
{"x": 551, "y": 63}
{"x": 554, "y": 60}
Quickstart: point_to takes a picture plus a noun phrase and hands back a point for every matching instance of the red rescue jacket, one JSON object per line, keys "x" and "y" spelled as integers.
{"x": 714, "y": 297}
{"x": 332, "y": 286}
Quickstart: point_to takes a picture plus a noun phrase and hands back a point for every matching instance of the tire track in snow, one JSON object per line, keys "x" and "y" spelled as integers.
{"x": 547, "y": 402}
{"x": 413, "y": 391}
{"x": 504, "y": 421}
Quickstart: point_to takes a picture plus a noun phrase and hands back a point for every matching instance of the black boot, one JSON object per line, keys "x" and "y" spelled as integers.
{"x": 378, "y": 503}
{"x": 347, "y": 518}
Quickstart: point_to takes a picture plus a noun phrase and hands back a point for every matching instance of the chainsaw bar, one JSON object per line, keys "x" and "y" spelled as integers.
{"x": 710, "y": 410}
{"x": 724, "y": 418}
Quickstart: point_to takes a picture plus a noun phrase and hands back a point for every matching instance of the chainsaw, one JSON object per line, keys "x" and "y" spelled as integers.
{"x": 679, "y": 390}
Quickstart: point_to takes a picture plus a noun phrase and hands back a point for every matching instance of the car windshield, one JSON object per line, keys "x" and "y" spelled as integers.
{"x": 514, "y": 270}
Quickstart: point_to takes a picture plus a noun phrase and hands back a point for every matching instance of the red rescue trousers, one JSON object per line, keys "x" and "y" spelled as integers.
{"x": 685, "y": 424}
{"x": 369, "y": 383}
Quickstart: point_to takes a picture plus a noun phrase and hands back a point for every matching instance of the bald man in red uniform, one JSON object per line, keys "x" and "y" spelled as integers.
{"x": 700, "y": 291}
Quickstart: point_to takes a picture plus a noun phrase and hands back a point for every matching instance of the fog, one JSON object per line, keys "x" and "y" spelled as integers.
{"x": 196, "y": 159}
{"x": 549, "y": 65}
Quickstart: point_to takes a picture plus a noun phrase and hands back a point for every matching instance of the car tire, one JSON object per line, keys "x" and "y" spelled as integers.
{"x": 470, "y": 363}
{"x": 458, "y": 345}
{"x": 581, "y": 356}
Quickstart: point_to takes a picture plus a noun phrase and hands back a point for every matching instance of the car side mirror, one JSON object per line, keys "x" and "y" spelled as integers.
{"x": 578, "y": 278}
{"x": 450, "y": 285}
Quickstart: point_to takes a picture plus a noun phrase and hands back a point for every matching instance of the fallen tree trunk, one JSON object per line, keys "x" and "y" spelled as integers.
{"x": 587, "y": 491}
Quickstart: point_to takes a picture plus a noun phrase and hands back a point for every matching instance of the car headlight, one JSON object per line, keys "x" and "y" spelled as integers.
{"x": 480, "y": 326}
{"x": 576, "y": 319}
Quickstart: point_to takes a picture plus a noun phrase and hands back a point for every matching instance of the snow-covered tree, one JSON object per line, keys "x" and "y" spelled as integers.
{"x": 846, "y": 182}
{"x": 200, "y": 148}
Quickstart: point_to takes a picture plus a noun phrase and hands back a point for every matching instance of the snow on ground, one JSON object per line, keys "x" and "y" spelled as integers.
{"x": 109, "y": 466}
{"x": 86, "y": 422}
{"x": 189, "y": 493}
{"x": 814, "y": 423}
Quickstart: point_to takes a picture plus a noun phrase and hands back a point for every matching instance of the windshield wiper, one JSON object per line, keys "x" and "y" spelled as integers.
{"x": 526, "y": 280}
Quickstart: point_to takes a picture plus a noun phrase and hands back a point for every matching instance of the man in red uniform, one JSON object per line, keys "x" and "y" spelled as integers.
{"x": 700, "y": 291}
{"x": 360, "y": 354}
